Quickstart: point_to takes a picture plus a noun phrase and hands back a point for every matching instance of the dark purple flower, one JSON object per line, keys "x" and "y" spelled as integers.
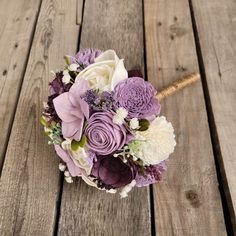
{"x": 138, "y": 97}
{"x": 135, "y": 73}
{"x": 152, "y": 174}
{"x": 99, "y": 102}
{"x": 111, "y": 172}
{"x": 57, "y": 87}
{"x": 85, "y": 57}
{"x": 103, "y": 136}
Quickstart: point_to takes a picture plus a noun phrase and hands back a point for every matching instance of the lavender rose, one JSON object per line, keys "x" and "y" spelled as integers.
{"x": 103, "y": 136}
{"x": 138, "y": 97}
{"x": 112, "y": 172}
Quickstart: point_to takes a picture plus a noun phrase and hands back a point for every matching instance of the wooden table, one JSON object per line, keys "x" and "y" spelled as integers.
{"x": 167, "y": 39}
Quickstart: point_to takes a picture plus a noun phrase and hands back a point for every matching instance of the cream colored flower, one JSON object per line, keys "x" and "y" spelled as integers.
{"x": 79, "y": 156}
{"x": 107, "y": 71}
{"x": 156, "y": 143}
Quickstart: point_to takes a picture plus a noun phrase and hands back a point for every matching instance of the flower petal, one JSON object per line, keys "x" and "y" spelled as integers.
{"x": 61, "y": 153}
{"x": 78, "y": 89}
{"x": 64, "y": 108}
{"x": 73, "y": 129}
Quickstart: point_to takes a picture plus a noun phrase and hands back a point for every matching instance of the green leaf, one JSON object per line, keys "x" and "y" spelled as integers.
{"x": 43, "y": 121}
{"x": 144, "y": 124}
{"x": 67, "y": 60}
{"x": 76, "y": 144}
{"x": 82, "y": 141}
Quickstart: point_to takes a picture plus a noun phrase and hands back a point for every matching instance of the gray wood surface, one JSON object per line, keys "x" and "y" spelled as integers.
{"x": 30, "y": 176}
{"x": 33, "y": 201}
{"x": 187, "y": 202}
{"x": 18, "y": 19}
{"x": 216, "y": 26}
{"x": 85, "y": 210}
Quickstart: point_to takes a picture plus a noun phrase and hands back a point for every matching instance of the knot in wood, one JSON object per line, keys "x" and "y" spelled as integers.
{"x": 193, "y": 198}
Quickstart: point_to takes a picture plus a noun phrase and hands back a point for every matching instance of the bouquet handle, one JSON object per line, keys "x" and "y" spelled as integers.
{"x": 178, "y": 85}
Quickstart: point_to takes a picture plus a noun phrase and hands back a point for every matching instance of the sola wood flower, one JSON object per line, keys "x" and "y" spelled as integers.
{"x": 72, "y": 110}
{"x": 104, "y": 123}
{"x": 103, "y": 135}
{"x": 156, "y": 143}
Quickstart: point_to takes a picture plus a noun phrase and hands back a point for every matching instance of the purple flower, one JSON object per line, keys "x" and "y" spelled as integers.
{"x": 99, "y": 102}
{"x": 57, "y": 87}
{"x": 112, "y": 172}
{"x": 138, "y": 97}
{"x": 135, "y": 73}
{"x": 152, "y": 174}
{"x": 72, "y": 110}
{"x": 85, "y": 57}
{"x": 103, "y": 136}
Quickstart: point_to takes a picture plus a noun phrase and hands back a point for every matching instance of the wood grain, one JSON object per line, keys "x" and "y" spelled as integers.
{"x": 216, "y": 26}
{"x": 187, "y": 202}
{"x": 85, "y": 210}
{"x": 30, "y": 176}
{"x": 18, "y": 19}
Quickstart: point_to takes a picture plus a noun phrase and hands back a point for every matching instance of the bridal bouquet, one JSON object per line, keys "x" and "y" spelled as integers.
{"x": 105, "y": 123}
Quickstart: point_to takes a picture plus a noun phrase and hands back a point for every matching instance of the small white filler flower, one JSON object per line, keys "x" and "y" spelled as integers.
{"x": 124, "y": 192}
{"x": 73, "y": 67}
{"x": 156, "y": 143}
{"x": 134, "y": 123}
{"x": 121, "y": 114}
{"x": 66, "y": 77}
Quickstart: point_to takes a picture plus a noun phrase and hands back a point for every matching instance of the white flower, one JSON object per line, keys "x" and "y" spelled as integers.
{"x": 66, "y": 77}
{"x": 45, "y": 105}
{"x": 79, "y": 157}
{"x": 124, "y": 192}
{"x": 69, "y": 179}
{"x": 73, "y": 67}
{"x": 111, "y": 191}
{"x": 105, "y": 73}
{"x": 121, "y": 114}
{"x": 62, "y": 167}
{"x": 134, "y": 123}
{"x": 156, "y": 143}
{"x": 67, "y": 173}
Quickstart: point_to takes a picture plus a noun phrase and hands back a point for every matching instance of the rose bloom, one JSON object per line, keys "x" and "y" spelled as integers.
{"x": 112, "y": 172}
{"x": 103, "y": 136}
{"x": 107, "y": 71}
{"x": 138, "y": 97}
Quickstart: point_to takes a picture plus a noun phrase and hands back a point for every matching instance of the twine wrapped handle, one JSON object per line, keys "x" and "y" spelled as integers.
{"x": 178, "y": 85}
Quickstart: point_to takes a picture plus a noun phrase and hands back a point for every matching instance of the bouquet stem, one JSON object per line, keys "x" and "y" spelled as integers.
{"x": 178, "y": 85}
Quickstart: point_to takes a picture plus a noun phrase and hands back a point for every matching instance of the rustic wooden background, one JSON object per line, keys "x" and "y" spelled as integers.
{"x": 166, "y": 39}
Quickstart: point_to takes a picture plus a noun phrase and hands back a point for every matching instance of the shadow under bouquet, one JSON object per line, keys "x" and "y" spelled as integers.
{"x": 105, "y": 123}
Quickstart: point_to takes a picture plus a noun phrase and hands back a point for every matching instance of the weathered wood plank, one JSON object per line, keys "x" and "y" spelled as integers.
{"x": 216, "y": 26}
{"x": 30, "y": 176}
{"x": 85, "y": 210}
{"x": 188, "y": 201}
{"x": 18, "y": 20}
